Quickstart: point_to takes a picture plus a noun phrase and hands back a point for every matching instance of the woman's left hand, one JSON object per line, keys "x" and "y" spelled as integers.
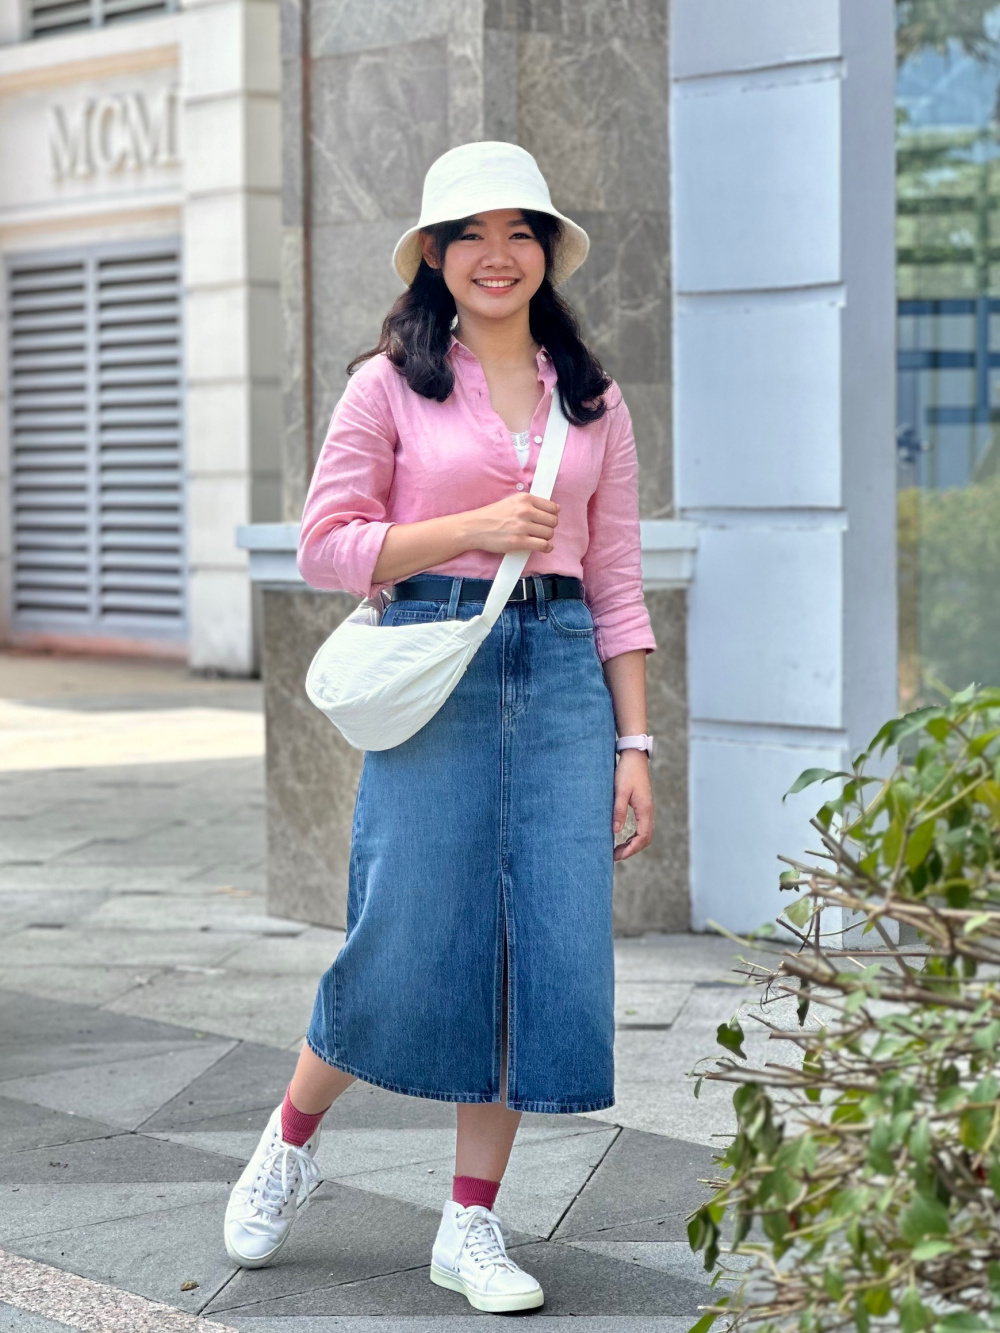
{"x": 633, "y": 787}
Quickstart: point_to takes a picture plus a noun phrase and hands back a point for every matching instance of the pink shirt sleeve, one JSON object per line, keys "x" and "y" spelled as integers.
{"x": 612, "y": 565}
{"x": 344, "y": 519}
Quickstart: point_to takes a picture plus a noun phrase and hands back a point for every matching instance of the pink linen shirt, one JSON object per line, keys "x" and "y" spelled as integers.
{"x": 393, "y": 456}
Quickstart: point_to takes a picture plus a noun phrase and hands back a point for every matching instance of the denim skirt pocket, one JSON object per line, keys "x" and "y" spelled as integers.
{"x": 412, "y": 613}
{"x": 571, "y": 615}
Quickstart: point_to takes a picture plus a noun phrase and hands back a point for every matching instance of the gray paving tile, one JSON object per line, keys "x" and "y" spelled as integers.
{"x": 142, "y": 1255}
{"x": 25, "y": 1126}
{"x": 38, "y": 1210}
{"x": 642, "y": 1190}
{"x": 116, "y": 1160}
{"x": 58, "y": 877}
{"x": 365, "y": 1107}
{"x": 35, "y": 845}
{"x": 97, "y": 822}
{"x": 238, "y": 1128}
{"x": 344, "y": 1237}
{"x": 91, "y": 985}
{"x": 205, "y": 846}
{"x": 678, "y": 958}
{"x": 28, "y": 1062}
{"x": 652, "y": 1090}
{"x": 542, "y": 1180}
{"x": 272, "y": 1009}
{"x": 471, "y": 1323}
{"x": 249, "y": 1078}
{"x": 52, "y": 908}
{"x": 575, "y": 1283}
{"x": 674, "y": 1257}
{"x": 156, "y": 808}
{"x": 245, "y": 699}
{"x": 23, "y": 792}
{"x": 120, "y": 1092}
{"x": 15, "y": 1320}
{"x": 145, "y": 948}
{"x": 31, "y": 1027}
{"x": 162, "y": 911}
{"x": 310, "y": 953}
{"x": 649, "y": 1003}
{"x": 123, "y": 854}
{"x": 252, "y": 878}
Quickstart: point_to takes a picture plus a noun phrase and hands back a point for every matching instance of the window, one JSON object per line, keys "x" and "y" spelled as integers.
{"x": 48, "y": 17}
{"x": 96, "y": 443}
{"x": 948, "y": 284}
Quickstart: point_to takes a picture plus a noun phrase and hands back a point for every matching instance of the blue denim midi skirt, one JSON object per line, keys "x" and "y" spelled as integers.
{"x": 484, "y": 844}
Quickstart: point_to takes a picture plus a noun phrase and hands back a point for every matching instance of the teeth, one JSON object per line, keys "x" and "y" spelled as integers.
{"x": 496, "y": 282}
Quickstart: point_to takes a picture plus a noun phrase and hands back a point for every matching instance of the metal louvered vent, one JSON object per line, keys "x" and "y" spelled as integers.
{"x": 48, "y": 17}
{"x": 96, "y": 446}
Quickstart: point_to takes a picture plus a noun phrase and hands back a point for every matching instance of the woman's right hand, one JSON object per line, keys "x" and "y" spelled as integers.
{"x": 521, "y": 522}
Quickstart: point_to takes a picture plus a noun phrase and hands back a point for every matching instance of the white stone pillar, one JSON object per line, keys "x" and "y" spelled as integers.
{"x": 230, "y": 76}
{"x": 782, "y": 138}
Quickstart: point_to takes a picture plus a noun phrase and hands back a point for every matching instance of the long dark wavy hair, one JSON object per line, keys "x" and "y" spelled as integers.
{"x": 416, "y": 333}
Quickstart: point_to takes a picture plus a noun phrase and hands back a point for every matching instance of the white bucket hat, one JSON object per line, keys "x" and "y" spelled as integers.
{"x": 477, "y": 177}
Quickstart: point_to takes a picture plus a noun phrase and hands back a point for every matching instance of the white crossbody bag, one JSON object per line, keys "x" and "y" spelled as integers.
{"x": 378, "y": 684}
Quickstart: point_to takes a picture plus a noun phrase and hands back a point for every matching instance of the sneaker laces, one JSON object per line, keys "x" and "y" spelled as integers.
{"x": 484, "y": 1240}
{"x": 276, "y": 1181}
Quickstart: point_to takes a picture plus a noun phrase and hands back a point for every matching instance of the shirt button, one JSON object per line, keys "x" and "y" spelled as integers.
{"x": 520, "y": 485}
{"x": 538, "y": 439}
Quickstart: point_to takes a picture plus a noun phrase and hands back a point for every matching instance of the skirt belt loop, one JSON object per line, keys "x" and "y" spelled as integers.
{"x": 540, "y": 606}
{"x": 456, "y": 593}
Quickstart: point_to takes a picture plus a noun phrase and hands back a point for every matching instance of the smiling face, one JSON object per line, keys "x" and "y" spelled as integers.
{"x": 494, "y": 266}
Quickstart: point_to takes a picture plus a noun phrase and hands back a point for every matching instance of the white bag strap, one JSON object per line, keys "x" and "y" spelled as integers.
{"x": 546, "y": 471}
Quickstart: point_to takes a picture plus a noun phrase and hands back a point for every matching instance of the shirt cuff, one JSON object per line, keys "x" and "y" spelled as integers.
{"x": 615, "y": 639}
{"x": 364, "y": 558}
{"x": 344, "y": 560}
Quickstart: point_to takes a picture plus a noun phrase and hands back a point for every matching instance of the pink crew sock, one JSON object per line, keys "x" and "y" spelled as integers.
{"x": 470, "y": 1190}
{"x": 296, "y": 1126}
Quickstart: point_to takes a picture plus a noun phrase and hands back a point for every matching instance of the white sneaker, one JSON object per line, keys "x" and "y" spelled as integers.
{"x": 267, "y": 1196}
{"x": 469, "y": 1256}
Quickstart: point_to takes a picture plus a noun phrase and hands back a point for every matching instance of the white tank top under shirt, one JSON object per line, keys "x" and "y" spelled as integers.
{"x": 520, "y": 441}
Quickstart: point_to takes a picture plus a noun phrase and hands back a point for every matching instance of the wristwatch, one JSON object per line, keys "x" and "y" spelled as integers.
{"x": 642, "y": 742}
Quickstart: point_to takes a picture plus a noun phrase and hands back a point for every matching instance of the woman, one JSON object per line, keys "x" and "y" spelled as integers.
{"x": 478, "y": 965}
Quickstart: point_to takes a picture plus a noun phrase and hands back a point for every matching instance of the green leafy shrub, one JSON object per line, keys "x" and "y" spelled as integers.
{"x": 872, "y": 1163}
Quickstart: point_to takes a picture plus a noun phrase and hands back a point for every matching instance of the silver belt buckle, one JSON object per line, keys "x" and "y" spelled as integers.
{"x": 523, "y": 582}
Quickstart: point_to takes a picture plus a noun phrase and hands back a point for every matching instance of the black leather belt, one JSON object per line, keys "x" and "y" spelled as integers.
{"x": 477, "y": 590}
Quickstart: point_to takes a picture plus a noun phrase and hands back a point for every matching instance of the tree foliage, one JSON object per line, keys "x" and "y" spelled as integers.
{"x": 871, "y": 1163}
{"x": 929, "y": 25}
{"x": 949, "y": 586}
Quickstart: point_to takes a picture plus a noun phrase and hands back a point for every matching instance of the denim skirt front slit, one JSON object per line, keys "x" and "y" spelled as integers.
{"x": 487, "y": 833}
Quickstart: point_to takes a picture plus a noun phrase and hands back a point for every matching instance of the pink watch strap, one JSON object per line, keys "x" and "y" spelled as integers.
{"x": 641, "y": 742}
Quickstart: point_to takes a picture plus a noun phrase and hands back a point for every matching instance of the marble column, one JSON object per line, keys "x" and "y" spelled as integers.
{"x": 373, "y": 92}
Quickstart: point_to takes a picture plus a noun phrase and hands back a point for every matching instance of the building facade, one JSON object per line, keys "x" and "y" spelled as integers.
{"x": 140, "y": 212}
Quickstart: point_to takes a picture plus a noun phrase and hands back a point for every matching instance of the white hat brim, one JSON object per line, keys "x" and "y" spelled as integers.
{"x": 571, "y": 246}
